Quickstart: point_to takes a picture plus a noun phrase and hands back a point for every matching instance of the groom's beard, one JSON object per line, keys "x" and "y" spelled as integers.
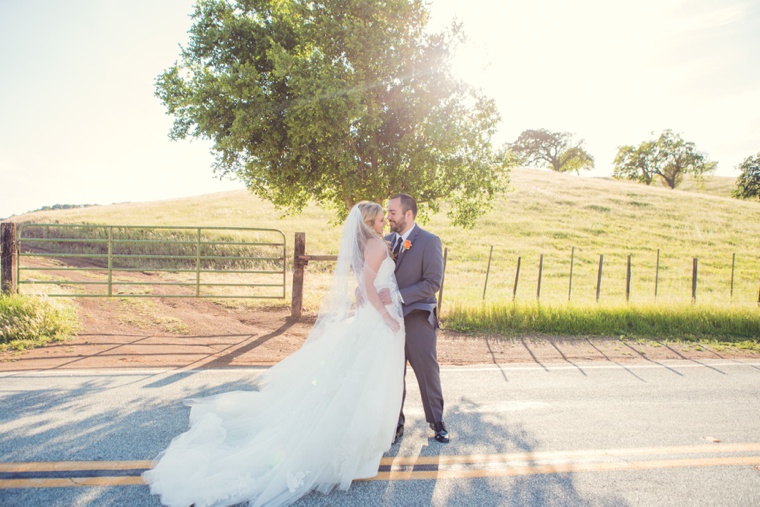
{"x": 398, "y": 226}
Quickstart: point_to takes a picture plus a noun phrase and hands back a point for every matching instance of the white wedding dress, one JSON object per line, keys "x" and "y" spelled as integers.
{"x": 323, "y": 417}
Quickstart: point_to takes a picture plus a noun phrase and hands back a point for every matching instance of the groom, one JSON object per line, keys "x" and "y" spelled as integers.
{"x": 419, "y": 270}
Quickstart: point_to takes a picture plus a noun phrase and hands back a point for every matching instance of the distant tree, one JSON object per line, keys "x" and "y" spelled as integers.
{"x": 554, "y": 150}
{"x": 56, "y": 207}
{"x": 335, "y": 101}
{"x": 668, "y": 158}
{"x": 748, "y": 183}
{"x": 636, "y": 163}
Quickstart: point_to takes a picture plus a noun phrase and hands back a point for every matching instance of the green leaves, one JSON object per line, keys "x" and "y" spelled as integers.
{"x": 635, "y": 163}
{"x": 748, "y": 183}
{"x": 667, "y": 158}
{"x": 554, "y": 150}
{"x": 335, "y": 101}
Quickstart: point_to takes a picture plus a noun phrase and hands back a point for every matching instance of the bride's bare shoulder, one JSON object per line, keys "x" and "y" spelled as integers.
{"x": 376, "y": 246}
{"x": 378, "y": 243}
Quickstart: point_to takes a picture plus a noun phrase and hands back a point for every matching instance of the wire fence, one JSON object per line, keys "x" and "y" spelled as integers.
{"x": 580, "y": 276}
{"x": 619, "y": 278}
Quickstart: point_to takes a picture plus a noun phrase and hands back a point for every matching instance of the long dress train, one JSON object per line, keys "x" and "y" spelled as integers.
{"x": 323, "y": 417}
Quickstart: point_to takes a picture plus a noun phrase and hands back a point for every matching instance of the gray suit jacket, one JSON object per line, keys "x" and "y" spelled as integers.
{"x": 419, "y": 271}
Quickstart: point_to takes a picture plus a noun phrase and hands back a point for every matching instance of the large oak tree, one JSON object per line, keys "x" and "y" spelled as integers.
{"x": 335, "y": 101}
{"x": 668, "y": 159}
{"x": 553, "y": 150}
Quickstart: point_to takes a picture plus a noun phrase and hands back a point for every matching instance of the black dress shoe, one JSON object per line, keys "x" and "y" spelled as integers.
{"x": 441, "y": 435}
{"x": 399, "y": 433}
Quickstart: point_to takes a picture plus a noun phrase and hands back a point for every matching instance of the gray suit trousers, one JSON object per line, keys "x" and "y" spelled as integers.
{"x": 421, "y": 354}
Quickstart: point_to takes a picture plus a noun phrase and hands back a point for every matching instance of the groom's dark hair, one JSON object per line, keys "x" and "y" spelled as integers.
{"x": 407, "y": 203}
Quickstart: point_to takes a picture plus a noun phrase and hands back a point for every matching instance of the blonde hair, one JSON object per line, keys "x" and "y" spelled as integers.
{"x": 370, "y": 211}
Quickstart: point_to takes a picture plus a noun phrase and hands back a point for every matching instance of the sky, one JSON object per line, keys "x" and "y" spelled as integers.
{"x": 79, "y": 122}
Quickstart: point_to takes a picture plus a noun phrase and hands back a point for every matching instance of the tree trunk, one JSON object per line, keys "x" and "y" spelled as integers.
{"x": 671, "y": 182}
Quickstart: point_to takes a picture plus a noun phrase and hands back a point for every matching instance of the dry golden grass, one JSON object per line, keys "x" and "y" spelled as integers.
{"x": 546, "y": 213}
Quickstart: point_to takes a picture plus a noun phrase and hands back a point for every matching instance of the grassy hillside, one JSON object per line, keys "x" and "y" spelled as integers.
{"x": 546, "y": 213}
{"x": 721, "y": 186}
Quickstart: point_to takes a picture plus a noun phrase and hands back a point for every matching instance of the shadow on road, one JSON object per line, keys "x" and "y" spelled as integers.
{"x": 101, "y": 428}
{"x": 140, "y": 351}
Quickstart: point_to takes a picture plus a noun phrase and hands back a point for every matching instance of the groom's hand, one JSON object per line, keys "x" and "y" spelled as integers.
{"x": 385, "y": 296}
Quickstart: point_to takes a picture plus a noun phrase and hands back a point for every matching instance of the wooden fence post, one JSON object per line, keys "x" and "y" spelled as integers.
{"x": 517, "y": 279}
{"x": 443, "y": 277}
{"x": 733, "y": 265}
{"x": 694, "y": 281}
{"x": 628, "y": 280}
{"x": 540, "y": 272}
{"x": 657, "y": 274}
{"x": 299, "y": 250}
{"x": 599, "y": 277}
{"x": 488, "y": 270}
{"x": 9, "y": 260}
{"x": 570, "y": 286}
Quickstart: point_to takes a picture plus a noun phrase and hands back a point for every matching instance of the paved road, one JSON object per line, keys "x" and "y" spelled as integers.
{"x": 648, "y": 433}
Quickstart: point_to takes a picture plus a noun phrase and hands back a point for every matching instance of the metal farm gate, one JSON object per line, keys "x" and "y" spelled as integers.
{"x": 67, "y": 260}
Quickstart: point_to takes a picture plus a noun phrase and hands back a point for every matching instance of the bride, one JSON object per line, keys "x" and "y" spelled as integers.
{"x": 323, "y": 416}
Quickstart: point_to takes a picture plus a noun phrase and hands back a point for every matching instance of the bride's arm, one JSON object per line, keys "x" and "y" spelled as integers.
{"x": 374, "y": 254}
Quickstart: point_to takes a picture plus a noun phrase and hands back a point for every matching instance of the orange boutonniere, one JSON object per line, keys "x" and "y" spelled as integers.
{"x": 406, "y": 246}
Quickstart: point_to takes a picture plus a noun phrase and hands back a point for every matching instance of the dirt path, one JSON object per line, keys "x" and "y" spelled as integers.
{"x": 193, "y": 333}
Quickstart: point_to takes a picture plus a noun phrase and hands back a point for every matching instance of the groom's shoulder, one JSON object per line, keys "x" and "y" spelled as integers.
{"x": 426, "y": 234}
{"x": 424, "y": 231}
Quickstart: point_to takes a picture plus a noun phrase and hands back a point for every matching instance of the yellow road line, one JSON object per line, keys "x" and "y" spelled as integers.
{"x": 57, "y": 466}
{"x": 45, "y": 466}
{"x": 72, "y": 482}
{"x": 402, "y": 468}
{"x": 573, "y": 468}
{"x": 554, "y": 455}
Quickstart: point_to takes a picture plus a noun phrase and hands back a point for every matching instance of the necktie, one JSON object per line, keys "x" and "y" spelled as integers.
{"x": 397, "y": 248}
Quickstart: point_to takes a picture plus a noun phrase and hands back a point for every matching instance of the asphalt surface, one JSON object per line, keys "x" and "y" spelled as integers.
{"x": 644, "y": 433}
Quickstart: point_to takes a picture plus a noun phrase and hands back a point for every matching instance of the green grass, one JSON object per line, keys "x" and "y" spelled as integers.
{"x": 723, "y": 324}
{"x": 721, "y": 186}
{"x": 32, "y": 321}
{"x": 545, "y": 213}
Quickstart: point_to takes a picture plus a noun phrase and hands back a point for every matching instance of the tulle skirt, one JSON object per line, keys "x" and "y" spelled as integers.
{"x": 323, "y": 417}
